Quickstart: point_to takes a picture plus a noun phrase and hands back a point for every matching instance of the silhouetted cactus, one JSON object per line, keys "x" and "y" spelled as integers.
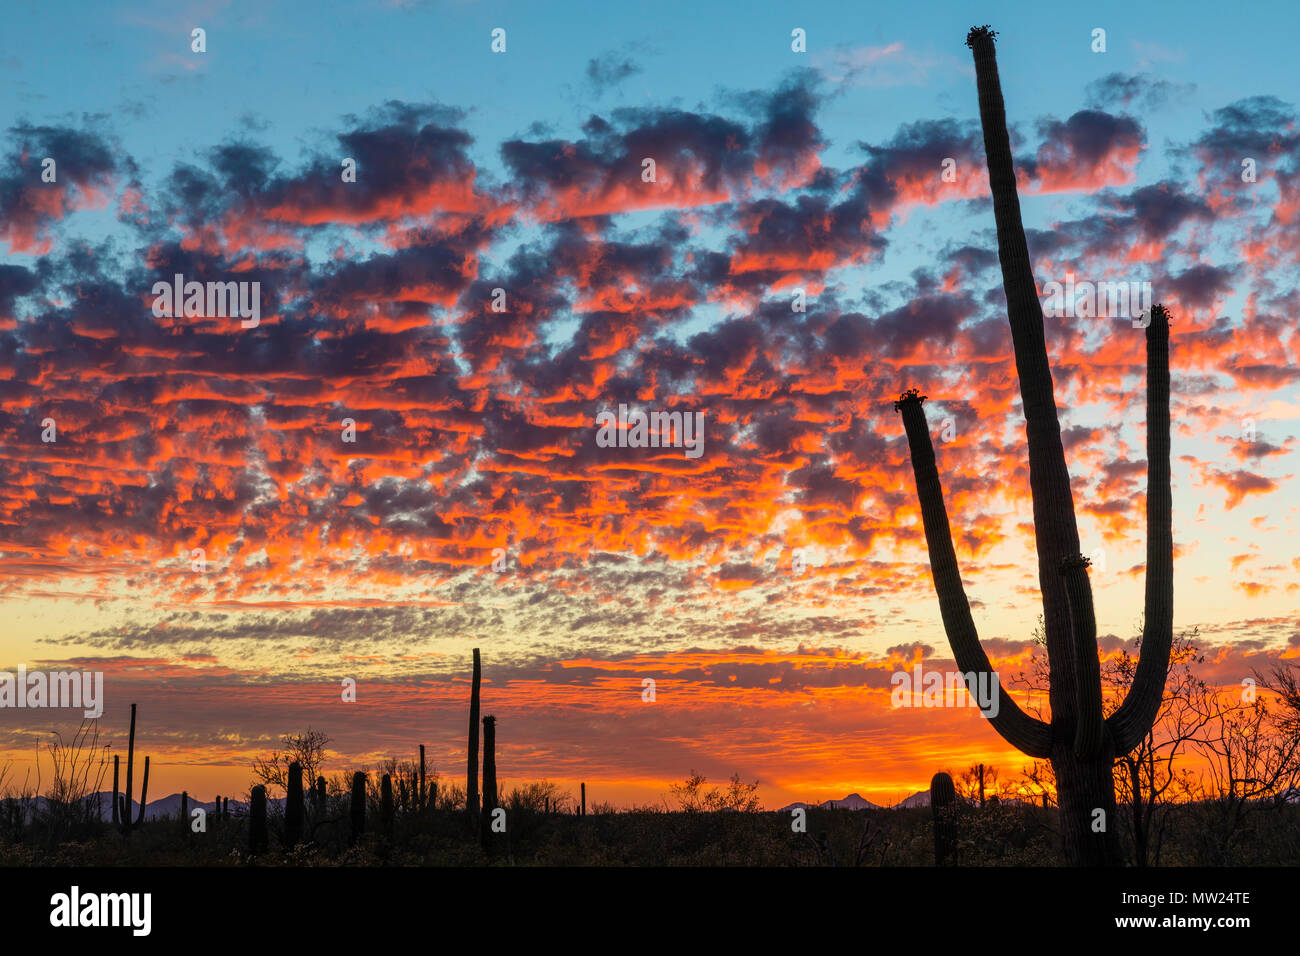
{"x": 185, "y": 812}
{"x": 471, "y": 780}
{"x": 386, "y": 803}
{"x": 423, "y": 792}
{"x": 489, "y": 776}
{"x": 144, "y": 792}
{"x": 358, "y": 808}
{"x": 293, "y": 806}
{"x": 320, "y": 790}
{"x": 943, "y": 806}
{"x": 981, "y": 786}
{"x": 257, "y": 838}
{"x": 122, "y": 803}
{"x": 125, "y": 810}
{"x": 1080, "y": 743}
{"x": 583, "y": 810}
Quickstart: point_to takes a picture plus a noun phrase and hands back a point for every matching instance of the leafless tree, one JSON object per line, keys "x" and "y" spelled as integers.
{"x": 307, "y": 749}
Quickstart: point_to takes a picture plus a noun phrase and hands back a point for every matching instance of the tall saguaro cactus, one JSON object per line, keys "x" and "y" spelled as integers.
{"x": 386, "y": 812}
{"x": 420, "y": 799}
{"x": 489, "y": 769}
{"x": 122, "y": 804}
{"x": 943, "y": 807}
{"x": 471, "y": 780}
{"x": 1079, "y": 742}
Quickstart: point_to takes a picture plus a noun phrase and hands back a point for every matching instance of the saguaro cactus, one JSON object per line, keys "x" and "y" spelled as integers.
{"x": 257, "y": 839}
{"x": 116, "y": 762}
{"x": 1079, "y": 743}
{"x": 293, "y": 806}
{"x": 489, "y": 762}
{"x": 981, "y": 786}
{"x": 583, "y": 789}
{"x": 185, "y": 812}
{"x": 420, "y": 802}
{"x": 489, "y": 776}
{"x": 125, "y": 811}
{"x": 122, "y": 804}
{"x": 471, "y": 780}
{"x": 358, "y": 808}
{"x": 144, "y": 792}
{"x": 386, "y": 803}
{"x": 943, "y": 807}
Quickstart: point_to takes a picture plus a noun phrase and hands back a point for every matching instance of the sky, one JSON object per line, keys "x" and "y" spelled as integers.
{"x": 204, "y": 526}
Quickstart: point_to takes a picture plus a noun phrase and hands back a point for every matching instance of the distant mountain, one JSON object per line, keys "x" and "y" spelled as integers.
{"x": 855, "y": 802}
{"x": 171, "y": 806}
{"x": 852, "y": 802}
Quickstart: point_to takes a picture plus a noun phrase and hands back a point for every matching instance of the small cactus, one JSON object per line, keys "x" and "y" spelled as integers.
{"x": 257, "y": 839}
{"x": 943, "y": 797}
{"x": 185, "y": 812}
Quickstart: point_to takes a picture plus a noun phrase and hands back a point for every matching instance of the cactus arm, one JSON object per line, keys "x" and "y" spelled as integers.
{"x": 144, "y": 792}
{"x": 1136, "y": 715}
{"x": 1026, "y": 733}
{"x": 1055, "y": 531}
{"x": 1089, "y": 725}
